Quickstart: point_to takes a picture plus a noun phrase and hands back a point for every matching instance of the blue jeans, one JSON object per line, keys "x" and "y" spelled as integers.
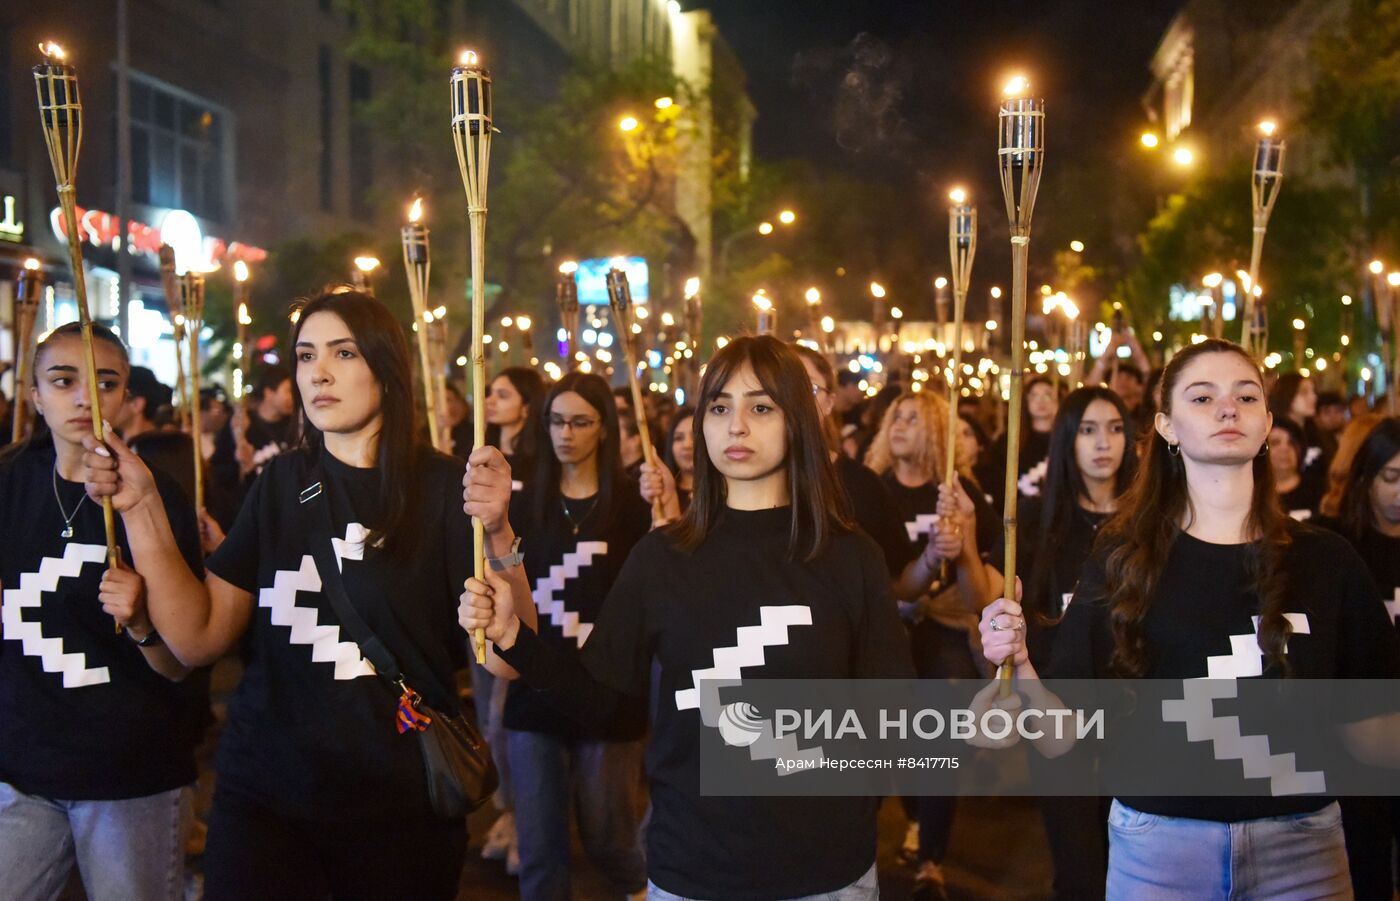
{"x": 602, "y": 781}
{"x": 1295, "y": 857}
{"x": 866, "y": 888}
{"x": 130, "y": 850}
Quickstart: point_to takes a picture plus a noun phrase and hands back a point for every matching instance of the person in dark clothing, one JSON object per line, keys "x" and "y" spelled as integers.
{"x": 766, "y": 542}
{"x": 267, "y": 425}
{"x": 1300, "y": 496}
{"x": 680, "y": 454}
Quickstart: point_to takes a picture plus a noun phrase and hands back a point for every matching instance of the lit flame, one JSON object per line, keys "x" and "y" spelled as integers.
{"x": 1268, "y": 127}
{"x": 415, "y": 212}
{"x": 618, "y": 263}
{"x": 957, "y": 195}
{"x": 828, "y": 324}
{"x": 762, "y": 303}
{"x": 1017, "y": 86}
{"x": 996, "y": 292}
{"x": 469, "y": 58}
{"x": 440, "y": 312}
{"x": 896, "y": 313}
{"x": 940, "y": 283}
{"x": 814, "y": 296}
{"x": 32, "y": 264}
{"x": 1377, "y": 267}
{"x": 877, "y": 289}
{"x": 240, "y": 271}
{"x": 366, "y": 264}
{"x": 1213, "y": 280}
{"x": 243, "y": 317}
{"x": 53, "y": 51}
{"x": 692, "y": 287}
{"x": 568, "y": 267}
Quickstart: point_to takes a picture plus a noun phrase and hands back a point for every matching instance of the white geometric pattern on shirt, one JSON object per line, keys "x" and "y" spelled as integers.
{"x": 568, "y": 568}
{"x": 1197, "y": 711}
{"x": 30, "y": 635}
{"x": 281, "y": 601}
{"x": 748, "y": 649}
{"x": 920, "y": 525}
{"x": 1393, "y": 606}
{"x": 1029, "y": 484}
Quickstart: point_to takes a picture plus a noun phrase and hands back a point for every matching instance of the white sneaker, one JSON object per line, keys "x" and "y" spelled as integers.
{"x": 499, "y": 838}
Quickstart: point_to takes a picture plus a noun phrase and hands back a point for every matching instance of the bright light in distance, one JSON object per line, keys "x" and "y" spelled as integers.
{"x": 469, "y": 58}
{"x": 692, "y": 287}
{"x": 877, "y": 289}
{"x": 957, "y": 195}
{"x": 415, "y": 212}
{"x": 787, "y": 217}
{"x": 1213, "y": 280}
{"x": 1016, "y": 86}
{"x": 765, "y": 228}
{"x": 996, "y": 292}
{"x": 1076, "y": 246}
{"x": 940, "y": 283}
{"x": 1377, "y": 267}
{"x": 1393, "y": 279}
{"x": 1149, "y": 140}
{"x": 896, "y": 313}
{"x": 1268, "y": 127}
{"x": 366, "y": 264}
{"x": 991, "y": 325}
{"x": 523, "y": 322}
{"x": 664, "y": 103}
{"x": 240, "y": 271}
{"x": 628, "y": 123}
{"x": 828, "y": 324}
{"x": 1346, "y": 300}
{"x": 1183, "y": 156}
{"x": 1298, "y": 324}
{"x": 568, "y": 267}
{"x": 813, "y": 296}
{"x": 762, "y": 302}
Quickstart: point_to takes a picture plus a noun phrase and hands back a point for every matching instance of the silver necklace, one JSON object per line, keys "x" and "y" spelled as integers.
{"x": 67, "y": 517}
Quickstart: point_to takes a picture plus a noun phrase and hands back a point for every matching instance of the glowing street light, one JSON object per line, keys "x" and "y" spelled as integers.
{"x": 664, "y": 103}
{"x": 1377, "y": 267}
{"x": 813, "y": 296}
{"x": 1076, "y": 246}
{"x": 765, "y": 228}
{"x": 1183, "y": 157}
{"x": 877, "y": 290}
{"x": 628, "y": 123}
{"x": 1150, "y": 140}
{"x": 787, "y": 217}
{"x": 1213, "y": 280}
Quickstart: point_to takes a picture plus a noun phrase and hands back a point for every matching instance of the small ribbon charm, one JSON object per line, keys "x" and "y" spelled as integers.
{"x": 409, "y": 718}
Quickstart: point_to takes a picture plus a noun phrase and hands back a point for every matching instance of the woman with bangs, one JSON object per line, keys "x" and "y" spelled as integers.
{"x": 1198, "y": 555}
{"x": 765, "y": 543}
{"x": 319, "y": 794}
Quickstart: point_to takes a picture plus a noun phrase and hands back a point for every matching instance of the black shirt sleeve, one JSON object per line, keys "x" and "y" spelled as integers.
{"x": 882, "y": 644}
{"x": 875, "y": 513}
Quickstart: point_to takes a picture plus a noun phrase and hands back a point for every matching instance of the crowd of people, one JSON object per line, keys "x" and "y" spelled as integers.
{"x": 1161, "y": 511}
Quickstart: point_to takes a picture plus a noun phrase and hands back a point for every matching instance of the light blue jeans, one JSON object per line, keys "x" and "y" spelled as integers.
{"x": 130, "y": 850}
{"x": 1156, "y": 858}
{"x": 866, "y": 888}
{"x": 602, "y": 782}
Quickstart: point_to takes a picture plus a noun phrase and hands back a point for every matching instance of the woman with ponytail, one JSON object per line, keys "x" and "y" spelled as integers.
{"x": 1198, "y": 553}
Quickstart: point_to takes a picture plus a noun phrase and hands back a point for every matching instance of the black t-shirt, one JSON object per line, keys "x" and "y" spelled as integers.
{"x": 875, "y": 512}
{"x": 310, "y": 731}
{"x": 1381, "y": 554}
{"x": 830, "y": 618}
{"x": 1205, "y": 598}
{"x": 1034, "y": 461}
{"x": 918, "y": 508}
{"x": 1301, "y": 503}
{"x": 1048, "y": 580}
{"x": 570, "y": 576}
{"x": 82, "y": 714}
{"x": 269, "y": 439}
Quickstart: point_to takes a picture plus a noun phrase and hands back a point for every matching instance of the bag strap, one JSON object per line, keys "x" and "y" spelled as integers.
{"x": 317, "y": 515}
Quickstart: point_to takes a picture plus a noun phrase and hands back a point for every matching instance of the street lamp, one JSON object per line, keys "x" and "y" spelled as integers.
{"x": 765, "y": 228}
{"x": 628, "y": 123}
{"x": 787, "y": 217}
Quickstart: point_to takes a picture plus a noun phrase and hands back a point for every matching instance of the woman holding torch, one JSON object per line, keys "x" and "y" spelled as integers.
{"x": 318, "y": 793}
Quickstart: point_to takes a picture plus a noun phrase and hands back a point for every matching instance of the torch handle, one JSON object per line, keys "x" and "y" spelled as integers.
{"x": 24, "y": 329}
{"x": 658, "y": 512}
{"x": 1256, "y": 251}
{"x": 1020, "y": 253}
{"x": 68, "y": 203}
{"x": 196, "y": 435}
{"x": 478, "y": 230}
{"x": 420, "y": 307}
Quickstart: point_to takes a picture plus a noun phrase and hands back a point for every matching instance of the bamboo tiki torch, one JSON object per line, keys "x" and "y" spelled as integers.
{"x": 620, "y": 297}
{"x": 471, "y": 134}
{"x": 566, "y": 293}
{"x": 417, "y": 265}
{"x": 962, "y": 247}
{"x": 61, "y": 115}
{"x": 1264, "y": 188}
{"x": 192, "y": 307}
{"x": 694, "y": 323}
{"x": 26, "y": 307}
{"x": 239, "y": 378}
{"x": 1021, "y": 154}
{"x": 766, "y": 317}
{"x": 174, "y": 303}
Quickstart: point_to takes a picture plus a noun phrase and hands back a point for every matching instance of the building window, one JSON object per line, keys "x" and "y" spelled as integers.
{"x": 181, "y": 149}
{"x": 327, "y": 108}
{"x": 361, "y": 159}
{"x": 1178, "y": 86}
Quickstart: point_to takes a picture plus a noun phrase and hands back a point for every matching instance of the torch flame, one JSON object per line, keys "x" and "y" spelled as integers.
{"x": 53, "y": 51}
{"x": 814, "y": 296}
{"x": 32, "y": 264}
{"x": 957, "y": 195}
{"x": 763, "y": 303}
{"x": 240, "y": 271}
{"x": 1017, "y": 86}
{"x": 692, "y": 287}
{"x": 415, "y": 212}
{"x": 243, "y": 317}
{"x": 469, "y": 58}
{"x": 568, "y": 267}
{"x": 1268, "y": 127}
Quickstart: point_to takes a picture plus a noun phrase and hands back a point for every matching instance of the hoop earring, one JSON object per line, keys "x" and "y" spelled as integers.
{"x": 1264, "y": 450}
{"x": 1174, "y": 450}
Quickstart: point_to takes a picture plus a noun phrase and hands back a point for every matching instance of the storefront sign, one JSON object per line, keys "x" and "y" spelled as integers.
{"x": 193, "y": 250}
{"x": 11, "y": 225}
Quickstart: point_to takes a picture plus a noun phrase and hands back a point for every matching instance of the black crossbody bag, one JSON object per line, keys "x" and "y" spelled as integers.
{"x": 457, "y": 763}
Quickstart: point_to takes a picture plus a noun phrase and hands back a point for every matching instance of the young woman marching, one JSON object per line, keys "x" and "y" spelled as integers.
{"x": 1198, "y": 549}
{"x": 872, "y": 508}
{"x": 680, "y": 454}
{"x": 764, "y": 554}
{"x": 1037, "y": 416}
{"x": 512, "y": 408}
{"x": 97, "y": 729}
{"x": 1092, "y": 462}
{"x": 1370, "y": 519}
{"x": 1298, "y": 494}
{"x": 578, "y": 520}
{"x": 318, "y": 793}
{"x": 909, "y": 453}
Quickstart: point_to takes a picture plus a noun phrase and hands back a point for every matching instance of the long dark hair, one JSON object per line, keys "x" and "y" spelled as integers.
{"x": 39, "y": 434}
{"x": 1379, "y": 448}
{"x": 684, "y": 413}
{"x": 1141, "y": 534}
{"x": 1064, "y": 481}
{"x": 545, "y": 485}
{"x": 819, "y": 506}
{"x": 529, "y": 384}
{"x": 401, "y": 452}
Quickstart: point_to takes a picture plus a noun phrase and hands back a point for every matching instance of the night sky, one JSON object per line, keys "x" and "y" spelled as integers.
{"x": 907, "y": 90}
